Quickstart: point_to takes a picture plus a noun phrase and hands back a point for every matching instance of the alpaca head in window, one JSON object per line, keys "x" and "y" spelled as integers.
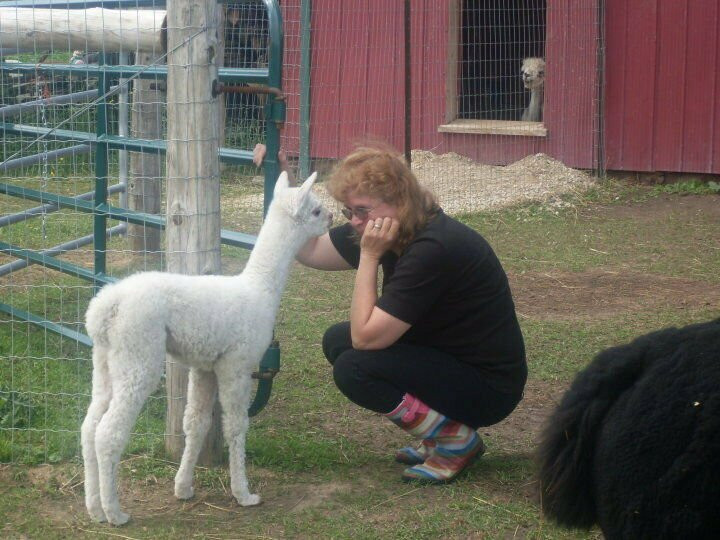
{"x": 533, "y": 72}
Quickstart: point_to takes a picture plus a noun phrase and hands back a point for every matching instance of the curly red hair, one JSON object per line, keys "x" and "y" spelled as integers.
{"x": 378, "y": 171}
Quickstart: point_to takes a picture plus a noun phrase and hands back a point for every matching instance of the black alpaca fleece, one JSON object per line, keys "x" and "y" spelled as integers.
{"x": 634, "y": 445}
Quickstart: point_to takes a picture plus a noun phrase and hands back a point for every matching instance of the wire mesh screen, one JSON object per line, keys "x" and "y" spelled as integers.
{"x": 55, "y": 99}
{"x": 246, "y": 46}
{"x": 502, "y": 50}
{"x": 47, "y": 92}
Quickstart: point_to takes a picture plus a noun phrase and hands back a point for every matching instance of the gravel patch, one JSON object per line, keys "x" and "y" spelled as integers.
{"x": 462, "y": 185}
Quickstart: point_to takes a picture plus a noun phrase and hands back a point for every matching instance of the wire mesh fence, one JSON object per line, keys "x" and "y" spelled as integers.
{"x": 499, "y": 104}
{"x": 51, "y": 99}
{"x": 55, "y": 104}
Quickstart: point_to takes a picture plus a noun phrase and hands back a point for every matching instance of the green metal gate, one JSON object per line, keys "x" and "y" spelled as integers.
{"x": 103, "y": 142}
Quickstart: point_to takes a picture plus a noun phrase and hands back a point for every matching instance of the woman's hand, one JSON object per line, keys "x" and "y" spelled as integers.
{"x": 259, "y": 154}
{"x": 260, "y": 151}
{"x": 379, "y": 237}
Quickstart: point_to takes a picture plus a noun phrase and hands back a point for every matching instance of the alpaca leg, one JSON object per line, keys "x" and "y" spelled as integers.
{"x": 101, "y": 394}
{"x": 130, "y": 390}
{"x": 235, "y": 399}
{"x": 202, "y": 393}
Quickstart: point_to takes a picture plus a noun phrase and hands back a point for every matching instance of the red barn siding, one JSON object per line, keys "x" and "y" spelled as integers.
{"x": 701, "y": 95}
{"x": 663, "y": 85}
{"x": 356, "y": 75}
{"x": 572, "y": 103}
{"x": 358, "y": 78}
{"x": 672, "y": 22}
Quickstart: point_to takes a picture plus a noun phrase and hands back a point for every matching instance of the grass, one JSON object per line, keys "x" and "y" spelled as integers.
{"x": 696, "y": 187}
{"x": 539, "y": 239}
{"x": 321, "y": 464}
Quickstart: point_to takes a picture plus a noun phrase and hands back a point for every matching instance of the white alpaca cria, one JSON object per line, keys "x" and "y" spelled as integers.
{"x": 218, "y": 326}
{"x": 533, "y": 76}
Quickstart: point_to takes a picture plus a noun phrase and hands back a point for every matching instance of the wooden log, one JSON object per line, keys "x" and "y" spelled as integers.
{"x": 144, "y": 189}
{"x": 95, "y": 29}
{"x": 193, "y": 177}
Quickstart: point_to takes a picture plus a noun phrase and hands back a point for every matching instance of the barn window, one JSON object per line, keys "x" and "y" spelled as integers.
{"x": 490, "y": 39}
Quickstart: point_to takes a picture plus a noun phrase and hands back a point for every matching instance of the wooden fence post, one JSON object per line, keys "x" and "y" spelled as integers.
{"x": 193, "y": 180}
{"x": 145, "y": 168}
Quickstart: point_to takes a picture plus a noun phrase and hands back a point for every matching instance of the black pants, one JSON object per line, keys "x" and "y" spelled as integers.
{"x": 378, "y": 380}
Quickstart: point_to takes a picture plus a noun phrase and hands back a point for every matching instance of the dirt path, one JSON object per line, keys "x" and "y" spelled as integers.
{"x": 602, "y": 294}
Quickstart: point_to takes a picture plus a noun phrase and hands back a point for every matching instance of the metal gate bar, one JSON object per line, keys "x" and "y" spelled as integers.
{"x": 117, "y": 230}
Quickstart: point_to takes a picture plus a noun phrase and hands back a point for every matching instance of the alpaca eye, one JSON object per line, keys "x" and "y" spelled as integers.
{"x": 316, "y": 212}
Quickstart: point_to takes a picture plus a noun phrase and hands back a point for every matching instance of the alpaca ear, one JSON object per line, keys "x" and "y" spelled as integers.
{"x": 307, "y": 185}
{"x": 282, "y": 183}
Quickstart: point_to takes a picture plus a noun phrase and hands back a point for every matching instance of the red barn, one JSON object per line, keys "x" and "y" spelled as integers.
{"x": 629, "y": 84}
{"x": 662, "y": 95}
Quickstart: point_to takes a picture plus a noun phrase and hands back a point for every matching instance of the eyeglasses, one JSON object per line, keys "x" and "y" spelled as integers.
{"x": 360, "y": 212}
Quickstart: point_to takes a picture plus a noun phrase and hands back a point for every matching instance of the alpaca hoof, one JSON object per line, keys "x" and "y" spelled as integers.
{"x": 184, "y": 491}
{"x": 250, "y": 500}
{"x": 118, "y": 517}
{"x": 97, "y": 514}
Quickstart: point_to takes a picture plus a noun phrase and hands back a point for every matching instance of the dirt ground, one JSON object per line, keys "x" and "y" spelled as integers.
{"x": 601, "y": 294}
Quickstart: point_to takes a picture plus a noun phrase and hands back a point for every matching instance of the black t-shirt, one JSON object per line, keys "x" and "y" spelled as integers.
{"x": 449, "y": 286}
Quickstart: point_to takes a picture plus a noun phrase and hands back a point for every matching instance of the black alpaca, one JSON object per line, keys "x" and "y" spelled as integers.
{"x": 634, "y": 445}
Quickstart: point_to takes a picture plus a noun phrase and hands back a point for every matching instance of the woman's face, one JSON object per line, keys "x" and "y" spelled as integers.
{"x": 362, "y": 208}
